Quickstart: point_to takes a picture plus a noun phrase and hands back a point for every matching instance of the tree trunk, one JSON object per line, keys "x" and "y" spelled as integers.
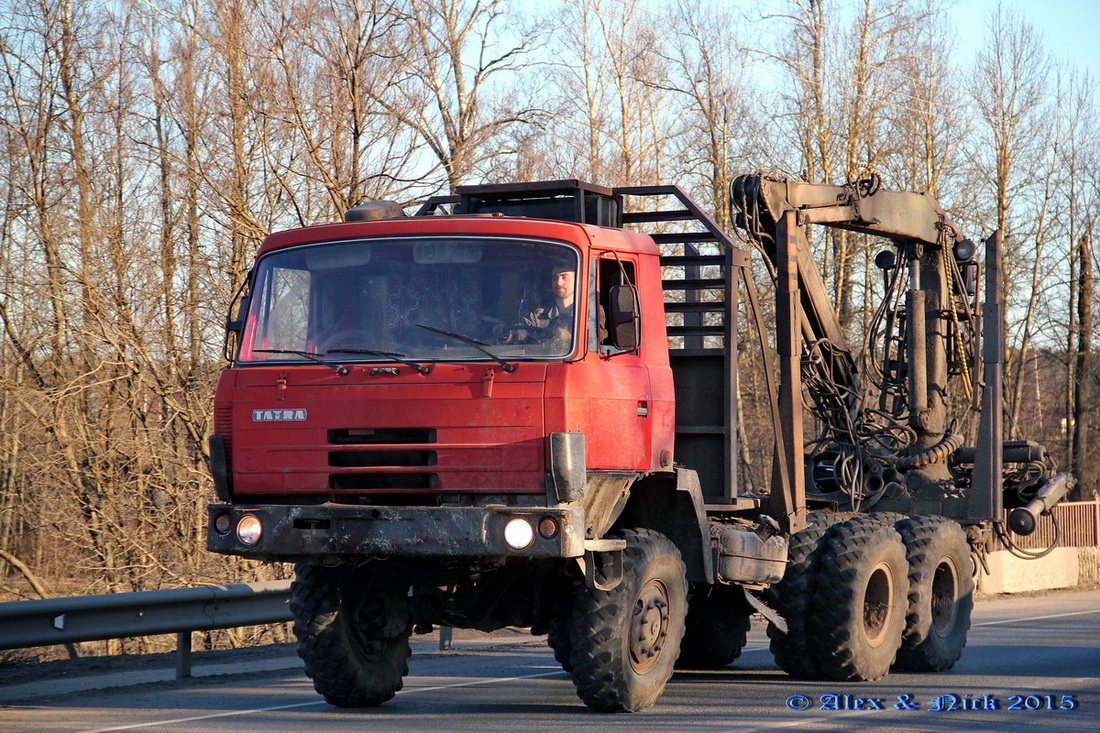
{"x": 1081, "y": 463}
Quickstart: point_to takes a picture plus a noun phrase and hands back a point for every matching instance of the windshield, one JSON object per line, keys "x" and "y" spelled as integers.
{"x": 413, "y": 299}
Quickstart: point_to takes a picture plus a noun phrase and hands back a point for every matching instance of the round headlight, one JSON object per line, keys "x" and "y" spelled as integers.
{"x": 249, "y": 529}
{"x": 964, "y": 250}
{"x": 518, "y": 533}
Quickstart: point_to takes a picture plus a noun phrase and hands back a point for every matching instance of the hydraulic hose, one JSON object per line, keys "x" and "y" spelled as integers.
{"x": 950, "y": 443}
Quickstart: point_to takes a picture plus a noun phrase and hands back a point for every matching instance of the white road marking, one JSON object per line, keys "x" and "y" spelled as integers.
{"x": 291, "y": 706}
{"x": 799, "y": 721}
{"x": 1034, "y": 618}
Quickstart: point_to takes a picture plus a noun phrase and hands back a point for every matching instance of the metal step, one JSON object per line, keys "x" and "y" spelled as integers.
{"x": 718, "y": 330}
{"x": 692, "y": 260}
{"x": 639, "y": 217}
{"x": 706, "y": 306}
{"x": 694, "y": 284}
{"x": 683, "y": 237}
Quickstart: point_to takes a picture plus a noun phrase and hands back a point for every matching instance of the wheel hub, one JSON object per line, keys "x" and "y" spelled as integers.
{"x": 877, "y": 608}
{"x": 945, "y": 595}
{"x": 649, "y": 626}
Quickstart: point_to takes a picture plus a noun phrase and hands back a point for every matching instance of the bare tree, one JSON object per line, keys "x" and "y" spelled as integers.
{"x": 719, "y": 130}
{"x": 332, "y": 61}
{"x": 1008, "y": 87}
{"x": 1078, "y": 161}
{"x": 451, "y": 94}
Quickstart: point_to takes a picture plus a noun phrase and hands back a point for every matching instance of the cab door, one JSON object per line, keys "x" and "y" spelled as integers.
{"x": 619, "y": 432}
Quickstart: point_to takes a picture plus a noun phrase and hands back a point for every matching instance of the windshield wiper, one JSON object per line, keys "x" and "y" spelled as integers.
{"x": 395, "y": 355}
{"x": 341, "y": 370}
{"x": 477, "y": 344}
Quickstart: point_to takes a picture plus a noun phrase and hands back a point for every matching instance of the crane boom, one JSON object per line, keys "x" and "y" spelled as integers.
{"x": 929, "y": 254}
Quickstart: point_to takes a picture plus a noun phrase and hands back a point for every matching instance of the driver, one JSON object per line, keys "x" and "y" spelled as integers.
{"x": 552, "y": 323}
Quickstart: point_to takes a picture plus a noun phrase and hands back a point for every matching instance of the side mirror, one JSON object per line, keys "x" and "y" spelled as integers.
{"x": 624, "y": 319}
{"x": 234, "y": 326}
{"x": 236, "y": 323}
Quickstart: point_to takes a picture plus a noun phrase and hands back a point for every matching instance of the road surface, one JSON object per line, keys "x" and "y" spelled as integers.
{"x": 1031, "y": 664}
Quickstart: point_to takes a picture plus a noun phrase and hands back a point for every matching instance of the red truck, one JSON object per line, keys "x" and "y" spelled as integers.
{"x": 510, "y": 409}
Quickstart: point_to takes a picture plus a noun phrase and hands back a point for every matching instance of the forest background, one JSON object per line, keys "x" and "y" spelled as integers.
{"x": 148, "y": 146}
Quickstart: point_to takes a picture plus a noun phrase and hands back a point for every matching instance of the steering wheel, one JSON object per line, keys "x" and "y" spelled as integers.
{"x": 534, "y": 334}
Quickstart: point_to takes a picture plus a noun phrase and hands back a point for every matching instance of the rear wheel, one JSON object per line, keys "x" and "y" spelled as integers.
{"x": 353, "y": 634}
{"x": 625, "y": 641}
{"x": 860, "y": 600}
{"x": 941, "y": 587}
{"x": 717, "y": 628}
{"x": 793, "y": 597}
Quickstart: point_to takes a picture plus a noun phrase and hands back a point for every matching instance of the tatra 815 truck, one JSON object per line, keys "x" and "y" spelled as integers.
{"x": 518, "y": 407}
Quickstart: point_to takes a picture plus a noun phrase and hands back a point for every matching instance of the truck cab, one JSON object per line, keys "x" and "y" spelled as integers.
{"x": 412, "y": 363}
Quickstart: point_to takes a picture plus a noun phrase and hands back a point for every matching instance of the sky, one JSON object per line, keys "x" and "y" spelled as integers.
{"x": 1069, "y": 27}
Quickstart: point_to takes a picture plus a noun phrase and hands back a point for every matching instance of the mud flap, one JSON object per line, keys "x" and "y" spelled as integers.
{"x": 765, "y": 610}
{"x": 602, "y": 563}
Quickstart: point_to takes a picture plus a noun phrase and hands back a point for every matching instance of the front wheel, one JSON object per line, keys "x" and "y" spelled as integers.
{"x": 625, "y": 641}
{"x": 353, "y": 634}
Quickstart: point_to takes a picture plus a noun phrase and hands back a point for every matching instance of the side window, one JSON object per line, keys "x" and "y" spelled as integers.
{"x": 282, "y": 309}
{"x": 611, "y": 273}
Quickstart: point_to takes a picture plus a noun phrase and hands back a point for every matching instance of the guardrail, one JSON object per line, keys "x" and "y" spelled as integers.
{"x": 177, "y": 610}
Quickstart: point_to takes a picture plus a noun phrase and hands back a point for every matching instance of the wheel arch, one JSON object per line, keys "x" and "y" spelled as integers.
{"x": 672, "y": 503}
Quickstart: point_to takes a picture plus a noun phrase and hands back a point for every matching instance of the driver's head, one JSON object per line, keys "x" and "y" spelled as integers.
{"x": 563, "y": 283}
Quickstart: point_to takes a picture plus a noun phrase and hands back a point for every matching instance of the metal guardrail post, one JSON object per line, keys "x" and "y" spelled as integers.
{"x": 183, "y": 655}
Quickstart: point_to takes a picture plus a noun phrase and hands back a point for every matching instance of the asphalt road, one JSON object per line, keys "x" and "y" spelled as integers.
{"x": 1032, "y": 664}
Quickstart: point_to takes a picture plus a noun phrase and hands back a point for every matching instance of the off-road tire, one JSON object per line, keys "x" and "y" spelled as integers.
{"x": 860, "y": 600}
{"x": 717, "y": 629}
{"x": 557, "y": 637}
{"x": 626, "y": 640}
{"x": 793, "y": 597}
{"x": 353, "y": 634}
{"x": 941, "y": 594}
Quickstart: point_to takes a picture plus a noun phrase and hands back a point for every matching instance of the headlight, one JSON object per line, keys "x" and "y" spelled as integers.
{"x": 518, "y": 533}
{"x": 249, "y": 529}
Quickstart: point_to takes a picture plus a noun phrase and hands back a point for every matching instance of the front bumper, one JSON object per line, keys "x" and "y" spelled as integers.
{"x": 299, "y": 532}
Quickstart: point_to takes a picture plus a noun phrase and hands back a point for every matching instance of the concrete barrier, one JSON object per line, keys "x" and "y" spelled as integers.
{"x": 1088, "y": 565}
{"x": 1010, "y": 574}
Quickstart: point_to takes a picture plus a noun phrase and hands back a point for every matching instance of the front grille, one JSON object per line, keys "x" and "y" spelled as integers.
{"x": 365, "y": 481}
{"x": 223, "y": 426}
{"x": 394, "y": 498}
{"x": 223, "y": 420}
{"x": 373, "y": 459}
{"x": 380, "y": 436}
{"x": 381, "y": 451}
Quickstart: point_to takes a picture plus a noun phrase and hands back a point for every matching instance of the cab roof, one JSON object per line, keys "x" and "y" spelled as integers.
{"x": 581, "y": 235}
